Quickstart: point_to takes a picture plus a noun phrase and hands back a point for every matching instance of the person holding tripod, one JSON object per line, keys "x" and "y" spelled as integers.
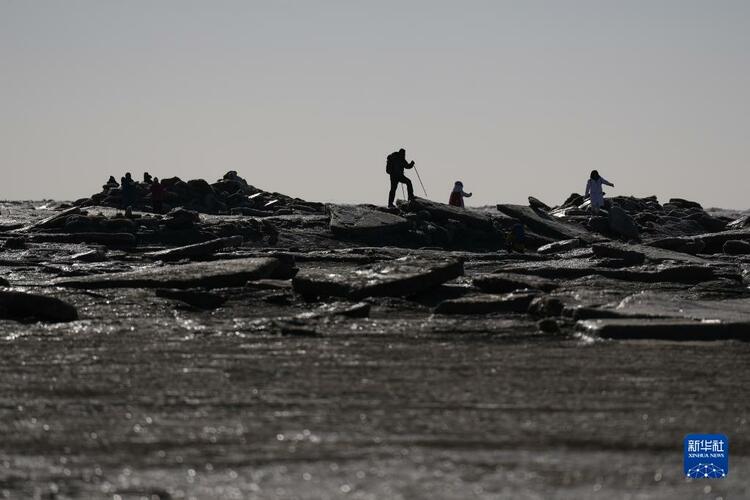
{"x": 394, "y": 167}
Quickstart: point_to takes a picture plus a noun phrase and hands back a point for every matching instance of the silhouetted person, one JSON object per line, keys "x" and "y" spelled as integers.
{"x": 157, "y": 195}
{"x": 517, "y": 238}
{"x": 111, "y": 183}
{"x": 147, "y": 178}
{"x": 395, "y": 168}
{"x": 127, "y": 189}
{"x": 594, "y": 189}
{"x": 458, "y": 195}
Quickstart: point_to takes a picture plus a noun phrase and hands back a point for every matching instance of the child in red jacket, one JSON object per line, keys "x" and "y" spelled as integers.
{"x": 458, "y": 195}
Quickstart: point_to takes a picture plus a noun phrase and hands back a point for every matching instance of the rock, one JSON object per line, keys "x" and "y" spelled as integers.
{"x": 681, "y": 203}
{"x": 14, "y": 244}
{"x": 440, "y": 212}
{"x": 343, "y": 309}
{"x": 195, "y": 298}
{"x": 485, "y": 304}
{"x": 364, "y": 222}
{"x": 95, "y": 255}
{"x": 661, "y": 305}
{"x": 629, "y": 257}
{"x": 504, "y": 283}
{"x": 598, "y": 224}
{"x": 358, "y": 310}
{"x": 665, "y": 329}
{"x": 215, "y": 274}
{"x": 180, "y": 218}
{"x": 296, "y": 328}
{"x": 736, "y": 247}
{"x": 196, "y": 250}
{"x": 559, "y": 246}
{"x": 548, "y": 325}
{"x": 106, "y": 239}
{"x": 740, "y": 223}
{"x": 397, "y": 278}
{"x": 621, "y": 223}
{"x": 684, "y": 245}
{"x": 251, "y": 212}
{"x": 200, "y": 187}
{"x": 270, "y": 284}
{"x": 579, "y": 312}
{"x": 652, "y": 254}
{"x": 52, "y": 221}
{"x": 711, "y": 224}
{"x": 12, "y": 226}
{"x": 546, "y": 306}
{"x": 714, "y": 242}
{"x": 574, "y": 200}
{"x": 675, "y": 273}
{"x": 539, "y": 205}
{"x": 118, "y": 225}
{"x": 544, "y": 224}
{"x": 22, "y": 306}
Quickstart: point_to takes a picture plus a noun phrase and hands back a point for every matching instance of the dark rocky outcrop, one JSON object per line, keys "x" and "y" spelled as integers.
{"x": 95, "y": 255}
{"x": 622, "y": 224}
{"x": 736, "y": 247}
{"x": 30, "y": 307}
{"x": 665, "y": 329}
{"x": 115, "y": 240}
{"x": 196, "y": 250}
{"x": 682, "y": 273}
{"x": 216, "y": 274}
{"x": 398, "y": 278}
{"x": 486, "y": 304}
{"x": 195, "y": 298}
{"x": 711, "y": 242}
{"x": 544, "y": 224}
{"x": 365, "y": 223}
{"x": 537, "y": 204}
{"x": 507, "y": 282}
{"x": 559, "y": 246}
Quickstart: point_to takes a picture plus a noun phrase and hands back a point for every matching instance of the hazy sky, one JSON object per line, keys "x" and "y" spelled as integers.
{"x": 514, "y": 98}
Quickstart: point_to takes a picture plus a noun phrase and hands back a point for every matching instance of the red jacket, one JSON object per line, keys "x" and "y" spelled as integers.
{"x": 456, "y": 199}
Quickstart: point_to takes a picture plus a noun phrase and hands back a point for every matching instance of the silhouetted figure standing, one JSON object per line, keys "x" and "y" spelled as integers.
{"x": 127, "y": 189}
{"x": 594, "y": 189}
{"x": 147, "y": 179}
{"x": 395, "y": 168}
{"x": 458, "y": 195}
{"x": 157, "y": 195}
{"x": 111, "y": 183}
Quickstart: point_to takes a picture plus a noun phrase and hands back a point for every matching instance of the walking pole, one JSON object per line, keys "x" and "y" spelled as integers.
{"x": 420, "y": 182}
{"x": 403, "y": 193}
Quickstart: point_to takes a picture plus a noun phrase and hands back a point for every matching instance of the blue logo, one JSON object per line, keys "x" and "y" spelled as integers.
{"x": 706, "y": 456}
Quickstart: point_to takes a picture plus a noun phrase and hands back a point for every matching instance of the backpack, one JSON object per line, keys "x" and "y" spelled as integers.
{"x": 389, "y": 165}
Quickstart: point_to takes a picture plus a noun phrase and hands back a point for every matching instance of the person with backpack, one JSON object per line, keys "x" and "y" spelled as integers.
{"x": 594, "y": 190}
{"x": 457, "y": 195}
{"x": 394, "y": 167}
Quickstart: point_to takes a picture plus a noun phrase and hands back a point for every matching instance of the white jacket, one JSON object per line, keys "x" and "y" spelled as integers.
{"x": 594, "y": 189}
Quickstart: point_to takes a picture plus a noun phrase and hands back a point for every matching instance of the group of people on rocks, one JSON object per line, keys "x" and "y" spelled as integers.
{"x": 396, "y": 164}
{"x": 129, "y": 190}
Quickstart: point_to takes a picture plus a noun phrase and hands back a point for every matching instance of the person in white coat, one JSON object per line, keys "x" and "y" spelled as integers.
{"x": 594, "y": 190}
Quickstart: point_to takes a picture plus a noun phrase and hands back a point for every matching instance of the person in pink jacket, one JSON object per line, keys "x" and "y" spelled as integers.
{"x": 458, "y": 195}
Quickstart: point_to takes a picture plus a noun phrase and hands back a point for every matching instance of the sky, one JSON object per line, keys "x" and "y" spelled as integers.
{"x": 514, "y": 98}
